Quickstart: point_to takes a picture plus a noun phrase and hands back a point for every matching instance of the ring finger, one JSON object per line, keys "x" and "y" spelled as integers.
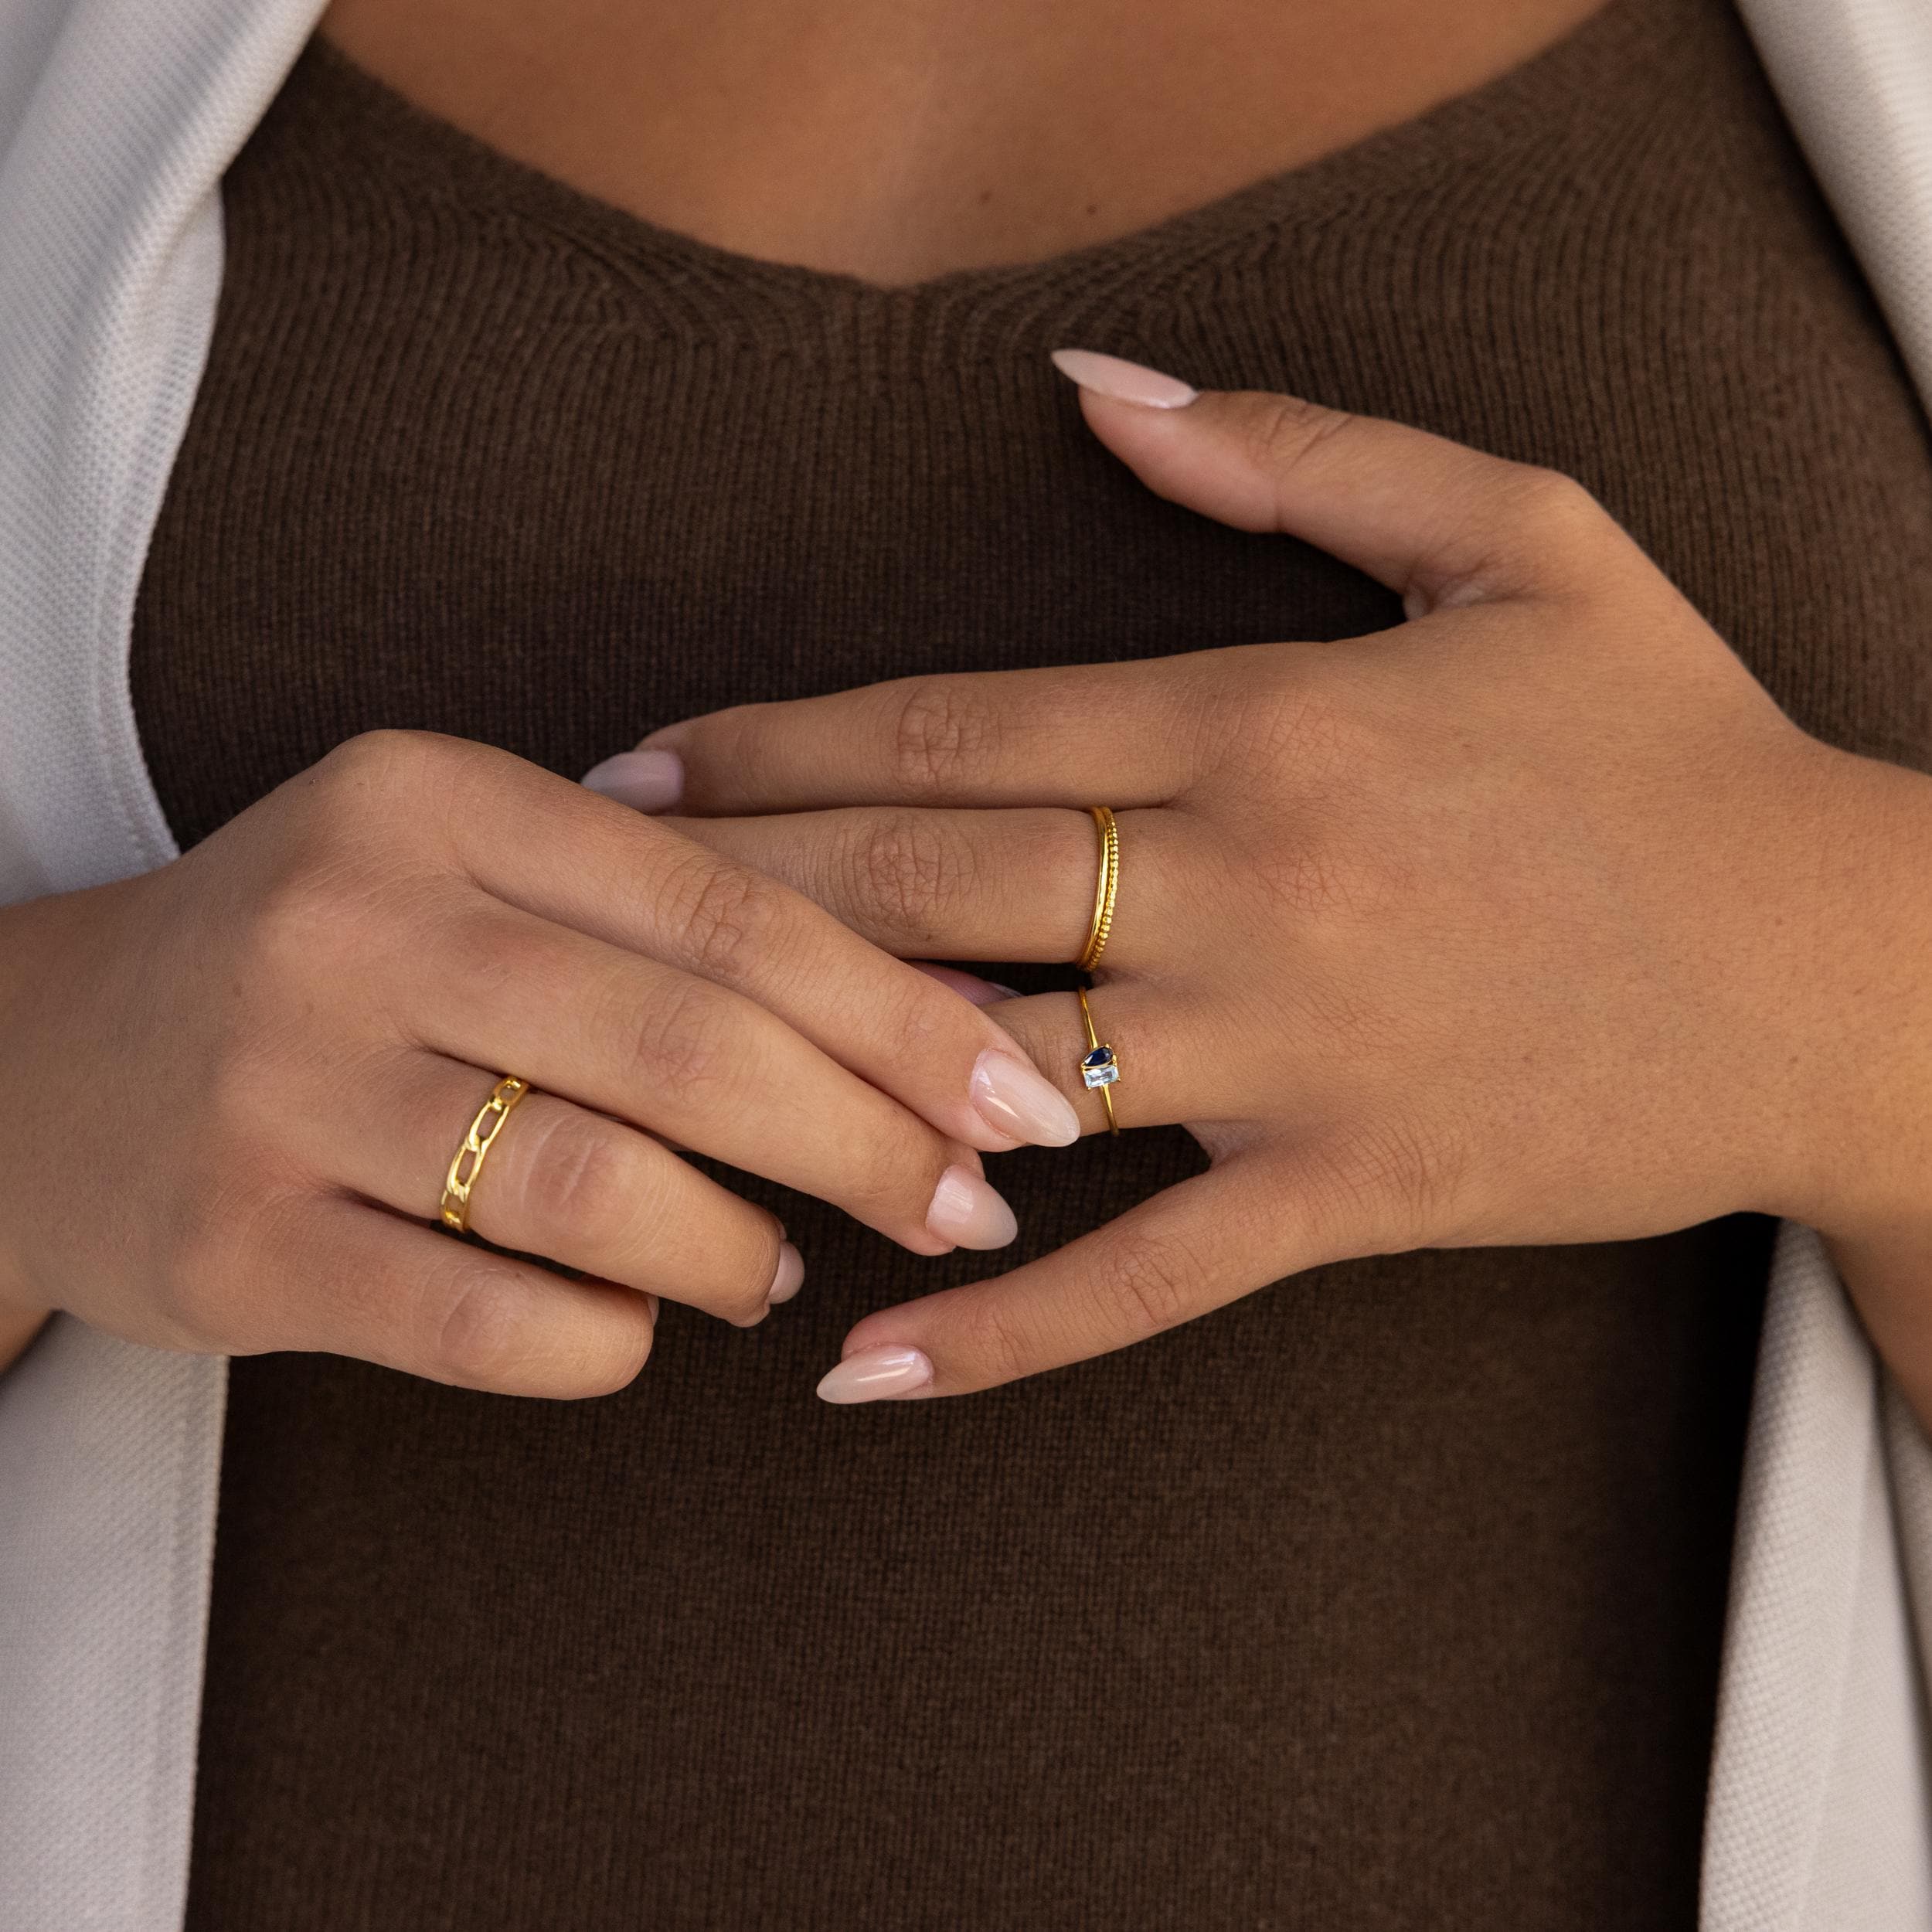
{"x": 1010, "y": 884}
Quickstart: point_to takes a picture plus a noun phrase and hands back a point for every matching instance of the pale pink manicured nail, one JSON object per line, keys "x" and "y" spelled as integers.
{"x": 1126, "y": 382}
{"x": 868, "y": 1374}
{"x": 791, "y": 1271}
{"x": 1014, "y": 1100}
{"x": 966, "y": 1210}
{"x": 644, "y": 780}
{"x": 969, "y": 986}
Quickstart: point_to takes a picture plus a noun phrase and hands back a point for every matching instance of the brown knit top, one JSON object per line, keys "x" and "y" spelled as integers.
{"x": 1389, "y": 1597}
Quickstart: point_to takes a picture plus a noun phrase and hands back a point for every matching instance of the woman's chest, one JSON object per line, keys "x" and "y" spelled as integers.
{"x": 895, "y": 142}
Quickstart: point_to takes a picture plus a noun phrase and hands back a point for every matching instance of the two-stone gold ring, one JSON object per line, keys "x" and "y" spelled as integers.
{"x": 1100, "y": 1066}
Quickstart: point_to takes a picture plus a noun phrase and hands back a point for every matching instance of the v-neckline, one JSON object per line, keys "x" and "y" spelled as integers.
{"x": 1616, "y": 31}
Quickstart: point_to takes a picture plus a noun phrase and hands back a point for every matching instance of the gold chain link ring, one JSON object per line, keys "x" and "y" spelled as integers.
{"x": 488, "y": 1124}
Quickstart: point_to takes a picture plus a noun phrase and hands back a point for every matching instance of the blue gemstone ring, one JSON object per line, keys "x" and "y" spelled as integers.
{"x": 1100, "y": 1066}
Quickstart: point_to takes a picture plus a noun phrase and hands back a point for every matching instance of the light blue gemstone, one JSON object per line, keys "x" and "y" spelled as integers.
{"x": 1099, "y": 1067}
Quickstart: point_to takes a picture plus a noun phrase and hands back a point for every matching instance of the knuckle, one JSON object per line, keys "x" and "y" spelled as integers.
{"x": 381, "y": 788}
{"x": 1156, "y": 1278}
{"x": 295, "y": 933}
{"x": 1391, "y": 1179}
{"x": 373, "y": 763}
{"x": 748, "y": 1300}
{"x": 1283, "y": 430}
{"x": 880, "y": 1190}
{"x": 682, "y": 1047}
{"x": 1295, "y": 735}
{"x": 576, "y": 1181}
{"x": 1550, "y": 507}
{"x": 480, "y": 1320}
{"x": 616, "y": 1368}
{"x": 991, "y": 1347}
{"x": 1341, "y": 867}
{"x": 1311, "y": 880}
{"x": 727, "y": 915}
{"x": 941, "y": 736}
{"x": 603, "y": 1358}
{"x": 910, "y": 871}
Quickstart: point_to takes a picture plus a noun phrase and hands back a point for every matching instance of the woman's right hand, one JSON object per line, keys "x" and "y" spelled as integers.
{"x": 236, "y": 1081}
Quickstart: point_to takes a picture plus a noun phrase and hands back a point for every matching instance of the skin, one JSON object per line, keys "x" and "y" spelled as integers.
{"x": 262, "y": 1056}
{"x": 1531, "y": 921}
{"x": 1771, "y": 1048}
{"x": 894, "y": 141}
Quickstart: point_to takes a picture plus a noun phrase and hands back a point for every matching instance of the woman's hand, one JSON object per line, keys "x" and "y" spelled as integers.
{"x": 235, "y": 1083}
{"x": 1532, "y": 920}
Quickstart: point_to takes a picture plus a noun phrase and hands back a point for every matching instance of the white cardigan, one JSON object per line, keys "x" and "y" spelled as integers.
{"x": 117, "y": 120}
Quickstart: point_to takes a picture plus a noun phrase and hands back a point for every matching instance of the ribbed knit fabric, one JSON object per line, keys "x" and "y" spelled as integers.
{"x": 1389, "y": 1597}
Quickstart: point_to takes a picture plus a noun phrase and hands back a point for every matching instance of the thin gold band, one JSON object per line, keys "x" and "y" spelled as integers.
{"x": 488, "y": 1124}
{"x": 1105, "y": 885}
{"x": 1105, "y": 1089}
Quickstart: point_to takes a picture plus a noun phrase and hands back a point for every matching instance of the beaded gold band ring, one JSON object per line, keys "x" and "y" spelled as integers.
{"x": 477, "y": 1143}
{"x": 1104, "y": 888}
{"x": 1100, "y": 1068}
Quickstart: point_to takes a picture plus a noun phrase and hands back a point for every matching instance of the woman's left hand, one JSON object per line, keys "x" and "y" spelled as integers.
{"x": 1531, "y": 919}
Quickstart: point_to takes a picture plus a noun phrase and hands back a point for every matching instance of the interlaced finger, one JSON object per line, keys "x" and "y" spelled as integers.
{"x": 538, "y": 843}
{"x": 676, "y": 1055}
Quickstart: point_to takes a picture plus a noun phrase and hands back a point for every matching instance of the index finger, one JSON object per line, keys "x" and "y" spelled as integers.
{"x": 1192, "y": 1248}
{"x": 1115, "y": 734}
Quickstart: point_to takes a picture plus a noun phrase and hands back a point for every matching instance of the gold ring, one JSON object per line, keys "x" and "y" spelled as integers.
{"x": 488, "y": 1124}
{"x": 1104, "y": 888}
{"x": 1100, "y": 1068}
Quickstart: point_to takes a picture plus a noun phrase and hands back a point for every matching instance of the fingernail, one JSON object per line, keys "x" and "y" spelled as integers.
{"x": 651, "y": 1302}
{"x": 868, "y": 1374}
{"x": 791, "y": 1271}
{"x": 967, "y": 1211}
{"x": 644, "y": 780}
{"x": 1014, "y": 1100}
{"x": 1126, "y": 382}
{"x": 969, "y": 986}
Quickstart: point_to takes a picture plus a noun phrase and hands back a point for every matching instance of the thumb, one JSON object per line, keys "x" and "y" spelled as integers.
{"x": 1440, "y": 522}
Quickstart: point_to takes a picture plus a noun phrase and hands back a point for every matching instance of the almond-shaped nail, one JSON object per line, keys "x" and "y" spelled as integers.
{"x": 873, "y": 1375}
{"x": 1126, "y": 382}
{"x": 969, "y": 1212}
{"x": 791, "y": 1271}
{"x": 644, "y": 780}
{"x": 1017, "y": 1100}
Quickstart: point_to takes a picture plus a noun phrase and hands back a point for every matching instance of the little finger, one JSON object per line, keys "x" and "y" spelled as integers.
{"x": 354, "y": 1280}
